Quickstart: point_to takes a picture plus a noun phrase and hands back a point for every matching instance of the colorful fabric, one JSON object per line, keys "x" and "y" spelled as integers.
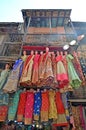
{"x": 37, "y": 105}
{"x": 52, "y": 106}
{"x": 74, "y": 79}
{"x": 60, "y": 110}
{"x": 4, "y": 98}
{"x": 76, "y": 116}
{"x": 13, "y": 105}
{"x": 54, "y": 68}
{"x": 3, "y": 77}
{"x": 21, "y": 106}
{"x": 3, "y": 113}
{"x": 47, "y": 76}
{"x": 79, "y": 70}
{"x": 29, "y": 108}
{"x": 12, "y": 82}
{"x": 27, "y": 71}
{"x": 62, "y": 76}
{"x": 45, "y": 106}
{"x": 35, "y": 77}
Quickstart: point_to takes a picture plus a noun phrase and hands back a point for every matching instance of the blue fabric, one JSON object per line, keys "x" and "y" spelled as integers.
{"x": 37, "y": 103}
{"x": 17, "y": 62}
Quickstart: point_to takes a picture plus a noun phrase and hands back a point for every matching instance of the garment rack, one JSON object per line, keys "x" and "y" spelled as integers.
{"x": 42, "y": 48}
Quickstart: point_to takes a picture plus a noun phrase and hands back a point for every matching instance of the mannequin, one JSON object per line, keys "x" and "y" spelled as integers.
{"x": 24, "y": 57}
{"x": 4, "y": 75}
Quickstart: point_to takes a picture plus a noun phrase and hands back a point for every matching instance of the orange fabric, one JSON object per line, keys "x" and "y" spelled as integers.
{"x": 45, "y": 101}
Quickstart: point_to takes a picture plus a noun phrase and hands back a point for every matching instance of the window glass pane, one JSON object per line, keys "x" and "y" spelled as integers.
{"x": 60, "y": 22}
{"x": 54, "y": 22}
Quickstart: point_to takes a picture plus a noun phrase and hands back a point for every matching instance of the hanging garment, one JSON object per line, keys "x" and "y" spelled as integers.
{"x": 79, "y": 70}
{"x": 4, "y": 101}
{"x": 83, "y": 66}
{"x": 29, "y": 108}
{"x": 76, "y": 116}
{"x": 24, "y": 57}
{"x": 3, "y": 113}
{"x": 13, "y": 105}
{"x": 45, "y": 106}
{"x": 62, "y": 76}
{"x": 4, "y": 98}
{"x": 47, "y": 76}
{"x": 26, "y": 76}
{"x": 37, "y": 105}
{"x": 12, "y": 82}
{"x": 35, "y": 77}
{"x": 61, "y": 120}
{"x": 54, "y": 68}
{"x": 65, "y": 103}
{"x": 84, "y": 116}
{"x": 81, "y": 117}
{"x": 40, "y": 67}
{"x": 21, "y": 106}
{"x": 74, "y": 79}
{"x": 52, "y": 106}
{"x": 3, "y": 77}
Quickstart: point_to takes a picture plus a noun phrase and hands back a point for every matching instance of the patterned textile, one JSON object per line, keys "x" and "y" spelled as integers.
{"x": 37, "y": 105}
{"x": 12, "y": 82}
{"x": 4, "y": 98}
{"x": 35, "y": 77}
{"x": 3, "y": 77}
{"x": 79, "y": 70}
{"x": 65, "y": 102}
{"x": 60, "y": 110}
{"x": 74, "y": 79}
{"x": 27, "y": 71}
{"x": 13, "y": 105}
{"x": 45, "y": 106}
{"x": 62, "y": 76}
{"x": 29, "y": 108}
{"x": 54, "y": 68}
{"x": 3, "y": 113}
{"x": 52, "y": 106}
{"x": 21, "y": 106}
{"x": 83, "y": 66}
{"x": 76, "y": 116}
{"x": 47, "y": 76}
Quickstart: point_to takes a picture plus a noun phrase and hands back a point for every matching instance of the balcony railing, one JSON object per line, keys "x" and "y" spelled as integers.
{"x": 41, "y": 38}
{"x": 12, "y": 46}
{"x": 11, "y": 49}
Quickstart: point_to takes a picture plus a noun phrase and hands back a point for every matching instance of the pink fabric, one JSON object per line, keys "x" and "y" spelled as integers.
{"x": 29, "y": 105}
{"x": 81, "y": 117}
{"x": 62, "y": 77}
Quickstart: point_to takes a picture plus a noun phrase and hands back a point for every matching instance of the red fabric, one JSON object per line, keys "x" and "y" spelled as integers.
{"x": 41, "y": 48}
{"x": 3, "y": 112}
{"x": 61, "y": 124}
{"x": 29, "y": 105}
{"x": 21, "y": 105}
{"x": 59, "y": 104}
{"x": 59, "y": 58}
{"x": 45, "y": 101}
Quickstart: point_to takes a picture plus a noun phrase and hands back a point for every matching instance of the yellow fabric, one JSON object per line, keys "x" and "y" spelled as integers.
{"x": 52, "y": 107}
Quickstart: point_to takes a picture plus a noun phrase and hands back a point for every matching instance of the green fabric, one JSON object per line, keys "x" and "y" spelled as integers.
{"x": 3, "y": 77}
{"x": 13, "y": 106}
{"x": 74, "y": 79}
{"x": 4, "y": 98}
